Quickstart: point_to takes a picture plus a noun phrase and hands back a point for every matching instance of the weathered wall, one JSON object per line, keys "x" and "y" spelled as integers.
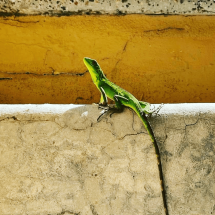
{"x": 64, "y": 162}
{"x": 157, "y": 58}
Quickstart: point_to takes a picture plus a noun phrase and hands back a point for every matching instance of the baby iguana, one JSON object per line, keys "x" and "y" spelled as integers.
{"x": 124, "y": 98}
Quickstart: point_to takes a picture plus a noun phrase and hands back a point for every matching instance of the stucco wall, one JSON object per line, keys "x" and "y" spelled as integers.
{"x": 157, "y": 58}
{"x": 58, "y": 160}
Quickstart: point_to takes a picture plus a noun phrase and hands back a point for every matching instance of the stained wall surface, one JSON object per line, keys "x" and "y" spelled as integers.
{"x": 60, "y": 160}
{"x": 167, "y": 59}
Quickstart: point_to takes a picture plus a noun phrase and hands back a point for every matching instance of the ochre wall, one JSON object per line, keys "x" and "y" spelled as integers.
{"x": 166, "y": 59}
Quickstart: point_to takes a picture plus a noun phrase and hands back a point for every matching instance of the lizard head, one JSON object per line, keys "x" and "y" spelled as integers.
{"x": 94, "y": 69}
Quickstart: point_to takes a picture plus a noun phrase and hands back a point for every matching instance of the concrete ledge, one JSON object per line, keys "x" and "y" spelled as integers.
{"x": 56, "y": 159}
{"x": 70, "y": 7}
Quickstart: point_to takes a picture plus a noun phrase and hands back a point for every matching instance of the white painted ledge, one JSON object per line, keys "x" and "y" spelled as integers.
{"x": 188, "y": 108}
{"x": 35, "y": 109}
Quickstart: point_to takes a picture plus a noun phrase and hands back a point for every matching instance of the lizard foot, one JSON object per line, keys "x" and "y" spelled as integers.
{"x": 107, "y": 109}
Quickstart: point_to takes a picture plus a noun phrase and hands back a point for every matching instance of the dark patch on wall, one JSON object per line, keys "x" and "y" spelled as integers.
{"x": 2, "y": 79}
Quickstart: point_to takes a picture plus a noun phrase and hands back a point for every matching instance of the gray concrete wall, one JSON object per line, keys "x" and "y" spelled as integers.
{"x": 57, "y": 159}
{"x": 69, "y": 7}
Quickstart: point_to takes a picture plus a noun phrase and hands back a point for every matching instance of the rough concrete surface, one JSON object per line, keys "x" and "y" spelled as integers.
{"x": 56, "y": 162}
{"x": 69, "y": 7}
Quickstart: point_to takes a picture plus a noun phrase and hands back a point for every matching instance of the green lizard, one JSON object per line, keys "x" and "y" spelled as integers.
{"x": 124, "y": 98}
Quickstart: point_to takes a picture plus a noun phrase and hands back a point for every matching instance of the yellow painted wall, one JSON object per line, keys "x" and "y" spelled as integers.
{"x": 158, "y": 59}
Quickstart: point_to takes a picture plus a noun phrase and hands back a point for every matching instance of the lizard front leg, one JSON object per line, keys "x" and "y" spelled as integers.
{"x": 103, "y": 104}
{"x": 118, "y": 104}
{"x": 103, "y": 100}
{"x": 118, "y": 108}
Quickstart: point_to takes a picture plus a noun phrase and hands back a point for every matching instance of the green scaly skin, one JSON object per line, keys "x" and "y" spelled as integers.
{"x": 124, "y": 98}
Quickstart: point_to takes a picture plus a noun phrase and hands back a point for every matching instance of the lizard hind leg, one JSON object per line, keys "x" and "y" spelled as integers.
{"x": 118, "y": 105}
{"x": 145, "y": 107}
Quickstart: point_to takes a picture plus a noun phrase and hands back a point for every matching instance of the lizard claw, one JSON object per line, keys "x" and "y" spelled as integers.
{"x": 102, "y": 113}
{"x": 107, "y": 109}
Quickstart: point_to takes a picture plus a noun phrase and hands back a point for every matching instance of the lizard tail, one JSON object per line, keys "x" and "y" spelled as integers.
{"x": 157, "y": 151}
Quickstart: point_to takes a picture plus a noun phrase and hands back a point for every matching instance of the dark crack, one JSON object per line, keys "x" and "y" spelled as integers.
{"x": 121, "y": 52}
{"x": 186, "y": 125}
{"x": 19, "y": 21}
{"x": 2, "y": 79}
{"x": 8, "y": 118}
{"x": 192, "y": 123}
{"x": 164, "y": 29}
{"x": 125, "y": 46}
{"x": 132, "y": 135}
{"x": 16, "y": 20}
{"x": 43, "y": 74}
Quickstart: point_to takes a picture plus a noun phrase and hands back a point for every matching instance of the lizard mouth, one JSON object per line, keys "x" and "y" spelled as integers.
{"x": 87, "y": 61}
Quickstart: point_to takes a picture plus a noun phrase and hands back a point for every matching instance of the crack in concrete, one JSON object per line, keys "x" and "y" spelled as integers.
{"x": 164, "y": 29}
{"x": 187, "y": 125}
{"x": 9, "y": 117}
{"x": 19, "y": 24}
{"x": 124, "y": 49}
{"x": 12, "y": 25}
{"x": 193, "y": 123}
{"x": 132, "y": 135}
{"x": 44, "y": 74}
{"x": 19, "y": 21}
{"x": 121, "y": 53}
{"x": 2, "y": 79}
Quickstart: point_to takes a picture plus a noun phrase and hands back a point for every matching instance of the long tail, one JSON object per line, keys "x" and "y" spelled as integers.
{"x": 151, "y": 133}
